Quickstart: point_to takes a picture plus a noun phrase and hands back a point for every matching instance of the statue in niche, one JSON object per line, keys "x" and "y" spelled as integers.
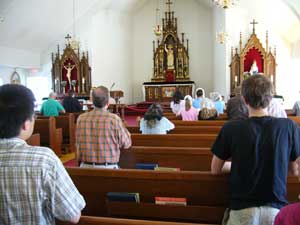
{"x": 69, "y": 69}
{"x": 170, "y": 56}
{"x": 254, "y": 68}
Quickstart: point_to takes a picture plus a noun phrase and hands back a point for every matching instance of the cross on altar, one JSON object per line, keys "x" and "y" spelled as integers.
{"x": 169, "y": 3}
{"x": 254, "y": 23}
{"x": 68, "y": 37}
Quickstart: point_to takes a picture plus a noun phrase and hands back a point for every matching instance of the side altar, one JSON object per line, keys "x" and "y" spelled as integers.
{"x": 170, "y": 62}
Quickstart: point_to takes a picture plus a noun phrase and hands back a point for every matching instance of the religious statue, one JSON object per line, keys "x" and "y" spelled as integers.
{"x": 254, "y": 68}
{"x": 170, "y": 56}
{"x": 69, "y": 69}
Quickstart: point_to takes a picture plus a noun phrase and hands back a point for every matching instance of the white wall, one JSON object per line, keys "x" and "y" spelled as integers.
{"x": 195, "y": 20}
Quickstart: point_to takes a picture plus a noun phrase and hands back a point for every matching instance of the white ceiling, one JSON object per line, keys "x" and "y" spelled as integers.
{"x": 34, "y": 24}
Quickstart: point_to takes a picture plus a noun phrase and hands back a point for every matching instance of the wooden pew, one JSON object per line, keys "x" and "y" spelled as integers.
{"x": 192, "y": 159}
{"x": 207, "y": 195}
{"x": 173, "y": 140}
{"x": 296, "y": 119}
{"x": 90, "y": 220}
{"x": 197, "y": 187}
{"x": 49, "y": 135}
{"x": 218, "y": 123}
{"x": 186, "y": 130}
{"x": 68, "y": 126}
{"x": 34, "y": 140}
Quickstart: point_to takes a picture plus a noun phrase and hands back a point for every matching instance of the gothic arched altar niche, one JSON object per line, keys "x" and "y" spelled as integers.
{"x": 253, "y": 53}
{"x": 69, "y": 72}
{"x": 170, "y": 55}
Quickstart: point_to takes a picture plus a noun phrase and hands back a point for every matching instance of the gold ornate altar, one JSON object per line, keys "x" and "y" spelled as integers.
{"x": 170, "y": 55}
{"x": 253, "y": 53}
{"x": 71, "y": 71}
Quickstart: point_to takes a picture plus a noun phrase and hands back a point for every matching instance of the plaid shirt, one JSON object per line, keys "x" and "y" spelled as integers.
{"x": 99, "y": 137}
{"x": 34, "y": 186}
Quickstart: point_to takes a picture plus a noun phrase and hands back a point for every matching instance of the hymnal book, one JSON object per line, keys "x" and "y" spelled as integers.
{"x": 123, "y": 197}
{"x": 146, "y": 166}
{"x": 170, "y": 201}
{"x": 159, "y": 168}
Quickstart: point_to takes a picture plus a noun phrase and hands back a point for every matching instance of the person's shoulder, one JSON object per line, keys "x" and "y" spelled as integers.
{"x": 43, "y": 156}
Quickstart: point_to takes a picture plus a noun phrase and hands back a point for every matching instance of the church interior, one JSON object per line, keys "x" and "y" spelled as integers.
{"x": 144, "y": 51}
{"x": 118, "y": 44}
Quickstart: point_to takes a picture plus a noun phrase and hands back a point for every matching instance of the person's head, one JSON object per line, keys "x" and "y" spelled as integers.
{"x": 153, "y": 114}
{"x": 257, "y": 91}
{"x": 177, "y": 97}
{"x": 16, "y": 111}
{"x": 100, "y": 97}
{"x": 207, "y": 114}
{"x": 200, "y": 93}
{"x": 53, "y": 95}
{"x": 71, "y": 93}
{"x": 216, "y": 97}
{"x": 188, "y": 102}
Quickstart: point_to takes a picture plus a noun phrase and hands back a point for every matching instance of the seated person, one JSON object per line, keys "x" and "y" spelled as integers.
{"x": 236, "y": 107}
{"x": 201, "y": 101}
{"x": 177, "y": 103}
{"x": 207, "y": 114}
{"x": 52, "y": 107}
{"x": 189, "y": 113}
{"x": 276, "y": 109}
{"x": 218, "y": 103}
{"x": 154, "y": 122}
{"x": 288, "y": 215}
{"x": 71, "y": 104}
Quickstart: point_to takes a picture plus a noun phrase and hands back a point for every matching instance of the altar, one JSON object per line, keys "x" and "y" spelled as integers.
{"x": 163, "y": 91}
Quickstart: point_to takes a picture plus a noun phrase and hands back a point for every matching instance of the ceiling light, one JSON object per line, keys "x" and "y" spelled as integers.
{"x": 225, "y": 4}
{"x": 2, "y": 19}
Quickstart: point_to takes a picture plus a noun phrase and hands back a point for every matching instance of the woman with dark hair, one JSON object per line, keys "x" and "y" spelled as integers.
{"x": 178, "y": 103}
{"x": 154, "y": 122}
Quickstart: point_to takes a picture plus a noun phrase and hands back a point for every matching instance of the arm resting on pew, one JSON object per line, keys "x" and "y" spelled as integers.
{"x": 76, "y": 218}
{"x": 219, "y": 166}
{"x": 293, "y": 168}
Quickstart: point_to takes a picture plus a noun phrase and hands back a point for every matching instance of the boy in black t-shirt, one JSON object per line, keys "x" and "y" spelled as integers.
{"x": 262, "y": 150}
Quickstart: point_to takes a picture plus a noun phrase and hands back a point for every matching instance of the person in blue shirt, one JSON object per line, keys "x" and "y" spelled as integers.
{"x": 154, "y": 122}
{"x": 263, "y": 150}
{"x": 219, "y": 103}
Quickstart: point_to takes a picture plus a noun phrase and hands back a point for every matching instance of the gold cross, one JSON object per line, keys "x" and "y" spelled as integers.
{"x": 169, "y": 3}
{"x": 254, "y": 23}
{"x": 68, "y": 37}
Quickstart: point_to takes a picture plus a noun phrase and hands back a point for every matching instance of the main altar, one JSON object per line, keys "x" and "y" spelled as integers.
{"x": 170, "y": 63}
{"x": 252, "y": 55}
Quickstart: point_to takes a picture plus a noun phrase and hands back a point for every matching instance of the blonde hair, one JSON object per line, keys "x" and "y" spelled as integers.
{"x": 188, "y": 102}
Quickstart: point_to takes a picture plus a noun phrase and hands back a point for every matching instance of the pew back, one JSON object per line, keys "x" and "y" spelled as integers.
{"x": 186, "y": 130}
{"x": 34, "y": 140}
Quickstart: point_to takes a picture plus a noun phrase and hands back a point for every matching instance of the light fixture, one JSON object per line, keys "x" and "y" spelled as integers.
{"x": 2, "y": 19}
{"x": 73, "y": 42}
{"x": 157, "y": 29}
{"x": 225, "y": 4}
{"x": 222, "y": 37}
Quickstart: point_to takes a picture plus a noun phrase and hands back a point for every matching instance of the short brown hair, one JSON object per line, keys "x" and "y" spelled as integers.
{"x": 257, "y": 91}
{"x": 100, "y": 96}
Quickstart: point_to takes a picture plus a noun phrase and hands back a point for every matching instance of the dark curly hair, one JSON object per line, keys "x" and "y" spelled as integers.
{"x": 153, "y": 114}
{"x": 177, "y": 97}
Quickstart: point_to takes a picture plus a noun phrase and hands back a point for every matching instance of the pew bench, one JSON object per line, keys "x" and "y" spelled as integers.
{"x": 34, "y": 140}
{"x": 187, "y": 159}
{"x": 218, "y": 123}
{"x": 185, "y": 130}
{"x": 90, "y": 220}
{"x": 173, "y": 140}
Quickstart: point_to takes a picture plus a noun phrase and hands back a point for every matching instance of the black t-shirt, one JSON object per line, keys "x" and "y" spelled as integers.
{"x": 71, "y": 104}
{"x": 260, "y": 149}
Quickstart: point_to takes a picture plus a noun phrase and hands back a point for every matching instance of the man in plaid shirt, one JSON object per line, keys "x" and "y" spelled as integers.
{"x": 100, "y": 134}
{"x": 34, "y": 186}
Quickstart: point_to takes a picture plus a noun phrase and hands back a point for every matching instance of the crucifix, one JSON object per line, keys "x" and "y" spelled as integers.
{"x": 68, "y": 38}
{"x": 169, "y": 3}
{"x": 254, "y": 23}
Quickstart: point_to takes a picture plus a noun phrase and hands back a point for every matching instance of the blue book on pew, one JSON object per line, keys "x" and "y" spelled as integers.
{"x": 123, "y": 197}
{"x": 146, "y": 166}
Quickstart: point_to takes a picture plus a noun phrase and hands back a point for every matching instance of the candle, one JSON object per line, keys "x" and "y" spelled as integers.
{"x": 235, "y": 79}
{"x": 272, "y": 78}
{"x": 83, "y": 81}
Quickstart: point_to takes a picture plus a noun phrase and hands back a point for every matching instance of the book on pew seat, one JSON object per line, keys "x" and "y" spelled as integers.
{"x": 123, "y": 197}
{"x": 159, "y": 168}
{"x": 146, "y": 166}
{"x": 170, "y": 201}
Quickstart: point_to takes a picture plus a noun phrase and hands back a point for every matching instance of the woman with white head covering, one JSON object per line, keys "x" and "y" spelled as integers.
{"x": 189, "y": 113}
{"x": 218, "y": 102}
{"x": 201, "y": 101}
